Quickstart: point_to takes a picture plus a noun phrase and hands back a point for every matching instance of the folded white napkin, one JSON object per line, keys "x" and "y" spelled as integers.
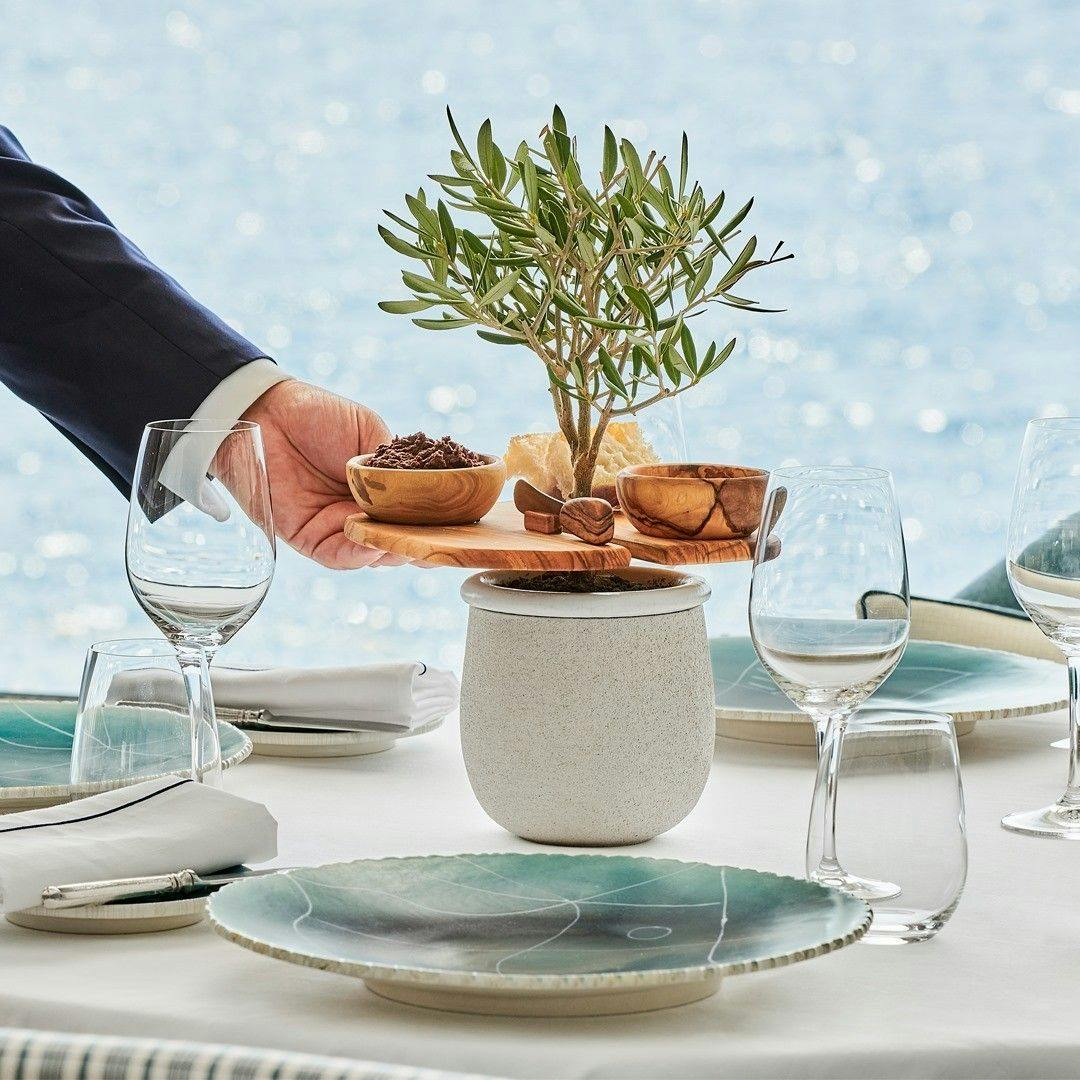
{"x": 156, "y": 827}
{"x": 397, "y": 695}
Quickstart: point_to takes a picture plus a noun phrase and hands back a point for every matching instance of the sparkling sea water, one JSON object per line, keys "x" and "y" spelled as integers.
{"x": 921, "y": 160}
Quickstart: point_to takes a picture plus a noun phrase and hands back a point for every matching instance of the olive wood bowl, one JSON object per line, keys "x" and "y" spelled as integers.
{"x": 692, "y": 501}
{"x": 426, "y": 496}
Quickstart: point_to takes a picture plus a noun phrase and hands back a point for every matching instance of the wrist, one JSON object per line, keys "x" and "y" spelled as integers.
{"x": 272, "y": 398}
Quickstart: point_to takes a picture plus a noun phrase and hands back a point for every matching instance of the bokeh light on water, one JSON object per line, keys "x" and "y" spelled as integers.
{"x": 920, "y": 159}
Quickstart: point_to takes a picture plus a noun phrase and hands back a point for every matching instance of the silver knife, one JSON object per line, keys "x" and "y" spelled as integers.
{"x": 86, "y": 893}
{"x": 267, "y": 719}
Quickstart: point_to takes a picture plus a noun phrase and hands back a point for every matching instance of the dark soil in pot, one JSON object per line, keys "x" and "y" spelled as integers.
{"x": 583, "y": 581}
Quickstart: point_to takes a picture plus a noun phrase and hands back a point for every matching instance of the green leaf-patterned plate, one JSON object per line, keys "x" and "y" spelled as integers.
{"x": 35, "y": 753}
{"x": 966, "y": 683}
{"x": 537, "y": 934}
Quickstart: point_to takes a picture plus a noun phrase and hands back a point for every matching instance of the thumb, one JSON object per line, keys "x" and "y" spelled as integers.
{"x": 371, "y": 428}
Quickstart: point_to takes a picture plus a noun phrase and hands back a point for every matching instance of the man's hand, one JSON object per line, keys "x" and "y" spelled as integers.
{"x": 309, "y": 434}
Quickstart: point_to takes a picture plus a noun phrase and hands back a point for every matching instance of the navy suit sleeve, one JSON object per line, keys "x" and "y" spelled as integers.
{"x": 92, "y": 333}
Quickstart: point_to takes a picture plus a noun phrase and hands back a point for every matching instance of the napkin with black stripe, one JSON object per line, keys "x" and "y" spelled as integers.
{"x": 155, "y": 827}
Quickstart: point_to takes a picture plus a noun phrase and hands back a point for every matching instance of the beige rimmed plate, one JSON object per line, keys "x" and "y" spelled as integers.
{"x": 147, "y": 916}
{"x": 139, "y": 915}
{"x": 306, "y": 743}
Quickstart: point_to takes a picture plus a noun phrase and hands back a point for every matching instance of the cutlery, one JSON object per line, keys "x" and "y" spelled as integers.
{"x": 247, "y": 718}
{"x": 86, "y": 893}
{"x": 265, "y": 718}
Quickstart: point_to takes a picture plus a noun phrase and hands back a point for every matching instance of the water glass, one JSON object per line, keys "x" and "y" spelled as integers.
{"x": 901, "y": 818}
{"x": 1044, "y": 572}
{"x": 133, "y": 720}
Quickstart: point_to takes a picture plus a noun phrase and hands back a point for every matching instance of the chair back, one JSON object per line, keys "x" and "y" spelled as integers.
{"x": 50, "y": 1055}
{"x": 965, "y": 623}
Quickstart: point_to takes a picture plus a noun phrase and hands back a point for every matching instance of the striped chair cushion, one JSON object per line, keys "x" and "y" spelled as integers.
{"x": 47, "y": 1055}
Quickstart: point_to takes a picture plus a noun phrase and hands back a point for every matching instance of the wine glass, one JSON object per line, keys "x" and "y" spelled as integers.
{"x": 829, "y": 617}
{"x": 1044, "y": 570}
{"x": 200, "y": 547}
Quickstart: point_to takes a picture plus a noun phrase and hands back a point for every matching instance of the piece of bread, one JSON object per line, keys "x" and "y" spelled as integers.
{"x": 543, "y": 458}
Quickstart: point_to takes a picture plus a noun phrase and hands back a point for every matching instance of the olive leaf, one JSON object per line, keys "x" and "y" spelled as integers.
{"x": 405, "y": 307}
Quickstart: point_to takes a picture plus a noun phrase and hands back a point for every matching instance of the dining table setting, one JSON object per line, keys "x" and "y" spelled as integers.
{"x": 973, "y": 1001}
{"x": 558, "y": 863}
{"x": 616, "y": 842}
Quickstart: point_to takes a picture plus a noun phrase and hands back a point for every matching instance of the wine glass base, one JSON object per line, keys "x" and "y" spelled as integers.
{"x": 862, "y": 888}
{"x": 1057, "y": 822}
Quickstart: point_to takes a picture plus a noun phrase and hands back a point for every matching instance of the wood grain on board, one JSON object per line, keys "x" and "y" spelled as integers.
{"x": 500, "y": 542}
{"x": 656, "y": 549}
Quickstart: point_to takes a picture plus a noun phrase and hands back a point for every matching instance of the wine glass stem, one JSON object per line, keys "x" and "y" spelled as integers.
{"x": 205, "y": 754}
{"x": 830, "y": 735}
{"x": 1072, "y": 792}
{"x": 821, "y": 728}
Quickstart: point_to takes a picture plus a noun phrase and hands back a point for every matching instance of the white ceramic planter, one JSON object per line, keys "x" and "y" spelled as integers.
{"x": 587, "y": 719}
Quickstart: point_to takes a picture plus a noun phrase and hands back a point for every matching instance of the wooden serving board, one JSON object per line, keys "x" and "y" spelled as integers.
{"x": 678, "y": 552}
{"x": 500, "y": 542}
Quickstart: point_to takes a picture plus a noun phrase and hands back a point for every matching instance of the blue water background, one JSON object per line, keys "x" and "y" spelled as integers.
{"x": 920, "y": 158}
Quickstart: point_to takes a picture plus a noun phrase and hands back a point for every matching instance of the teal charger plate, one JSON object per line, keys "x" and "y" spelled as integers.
{"x": 36, "y": 735}
{"x": 537, "y": 934}
{"x": 966, "y": 683}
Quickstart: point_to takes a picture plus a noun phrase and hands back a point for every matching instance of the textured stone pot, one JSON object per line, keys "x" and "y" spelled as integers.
{"x": 587, "y": 719}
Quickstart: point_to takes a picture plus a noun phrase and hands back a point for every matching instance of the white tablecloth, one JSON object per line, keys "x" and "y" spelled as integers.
{"x": 992, "y": 996}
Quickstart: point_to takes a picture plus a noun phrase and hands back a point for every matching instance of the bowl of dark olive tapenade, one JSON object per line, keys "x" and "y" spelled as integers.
{"x": 418, "y": 480}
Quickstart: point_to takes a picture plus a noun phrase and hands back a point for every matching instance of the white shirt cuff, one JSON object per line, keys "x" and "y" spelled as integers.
{"x": 236, "y": 393}
{"x": 185, "y": 471}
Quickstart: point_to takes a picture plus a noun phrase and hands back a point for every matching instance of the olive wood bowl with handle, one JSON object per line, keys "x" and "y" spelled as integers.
{"x": 426, "y": 496}
{"x": 692, "y": 501}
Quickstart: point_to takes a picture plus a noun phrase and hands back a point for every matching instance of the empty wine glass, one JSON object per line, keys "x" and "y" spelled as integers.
{"x": 829, "y": 616}
{"x": 200, "y": 542}
{"x": 1044, "y": 571}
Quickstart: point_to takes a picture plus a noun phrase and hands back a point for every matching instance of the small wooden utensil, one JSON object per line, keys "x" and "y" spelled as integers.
{"x": 591, "y": 520}
{"x": 529, "y": 498}
{"x": 538, "y": 522}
